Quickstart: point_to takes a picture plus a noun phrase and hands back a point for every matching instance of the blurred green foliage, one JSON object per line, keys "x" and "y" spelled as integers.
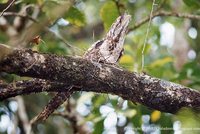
{"x": 109, "y": 13}
{"x": 3, "y": 1}
{"x": 192, "y": 3}
{"x": 74, "y": 16}
{"x": 89, "y": 20}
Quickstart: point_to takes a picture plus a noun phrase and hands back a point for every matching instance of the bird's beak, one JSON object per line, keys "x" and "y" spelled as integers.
{"x": 119, "y": 28}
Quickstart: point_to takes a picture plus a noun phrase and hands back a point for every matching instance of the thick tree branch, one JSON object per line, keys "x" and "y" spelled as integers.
{"x": 30, "y": 86}
{"x": 152, "y": 92}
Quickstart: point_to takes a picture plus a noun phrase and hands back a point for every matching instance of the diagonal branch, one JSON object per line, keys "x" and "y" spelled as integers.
{"x": 101, "y": 78}
{"x": 19, "y": 15}
{"x": 9, "y": 5}
{"x": 164, "y": 13}
{"x": 53, "y": 104}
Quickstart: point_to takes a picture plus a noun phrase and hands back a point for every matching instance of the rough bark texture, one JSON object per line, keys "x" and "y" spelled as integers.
{"x": 60, "y": 71}
{"x": 53, "y": 104}
{"x": 29, "y": 86}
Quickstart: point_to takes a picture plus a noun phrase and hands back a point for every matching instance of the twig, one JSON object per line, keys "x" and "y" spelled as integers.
{"x": 7, "y": 7}
{"x": 53, "y": 104}
{"x": 75, "y": 119}
{"x": 164, "y": 13}
{"x": 73, "y": 116}
{"x": 147, "y": 33}
{"x": 58, "y": 36}
{"x": 46, "y": 28}
{"x": 23, "y": 115}
{"x": 19, "y": 15}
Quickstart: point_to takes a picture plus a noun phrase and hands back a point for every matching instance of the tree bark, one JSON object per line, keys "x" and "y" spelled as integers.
{"x": 58, "y": 73}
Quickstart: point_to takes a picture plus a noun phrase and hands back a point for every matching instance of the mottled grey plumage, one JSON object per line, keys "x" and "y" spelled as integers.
{"x": 107, "y": 50}
{"x": 110, "y": 48}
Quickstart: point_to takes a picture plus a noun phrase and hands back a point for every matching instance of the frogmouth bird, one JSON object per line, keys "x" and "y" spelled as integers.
{"x": 110, "y": 48}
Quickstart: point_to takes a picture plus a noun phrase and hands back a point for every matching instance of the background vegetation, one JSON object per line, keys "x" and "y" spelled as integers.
{"x": 172, "y": 53}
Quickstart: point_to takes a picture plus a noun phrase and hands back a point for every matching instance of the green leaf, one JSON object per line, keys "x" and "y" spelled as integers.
{"x": 109, "y": 13}
{"x": 192, "y": 3}
{"x": 97, "y": 100}
{"x": 48, "y": 6}
{"x": 53, "y": 47}
{"x": 161, "y": 62}
{"x": 130, "y": 113}
{"x": 3, "y": 1}
{"x": 98, "y": 127}
{"x": 189, "y": 120}
{"x": 127, "y": 61}
{"x": 75, "y": 16}
{"x": 166, "y": 121}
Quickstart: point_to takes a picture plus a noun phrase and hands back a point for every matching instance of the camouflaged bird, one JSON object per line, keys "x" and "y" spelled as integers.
{"x": 110, "y": 48}
{"x": 107, "y": 50}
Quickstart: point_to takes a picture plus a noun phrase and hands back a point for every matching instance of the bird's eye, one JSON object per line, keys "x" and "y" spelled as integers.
{"x": 116, "y": 39}
{"x": 99, "y": 43}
